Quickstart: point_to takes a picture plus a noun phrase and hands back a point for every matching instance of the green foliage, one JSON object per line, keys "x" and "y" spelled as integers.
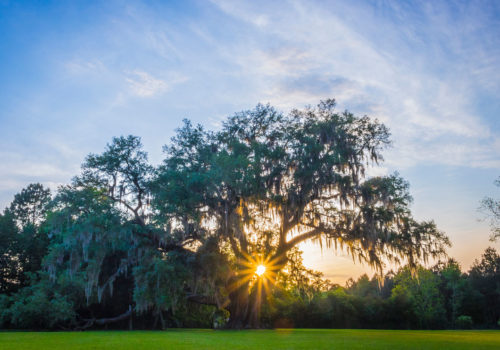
{"x": 421, "y": 293}
{"x": 23, "y": 238}
{"x": 38, "y": 307}
{"x": 464, "y": 322}
{"x": 160, "y": 282}
{"x": 265, "y": 176}
{"x": 104, "y": 243}
{"x": 401, "y": 300}
{"x": 484, "y": 277}
{"x": 178, "y": 242}
{"x": 266, "y": 182}
{"x": 454, "y": 287}
{"x": 10, "y": 268}
{"x": 89, "y": 239}
{"x": 30, "y": 204}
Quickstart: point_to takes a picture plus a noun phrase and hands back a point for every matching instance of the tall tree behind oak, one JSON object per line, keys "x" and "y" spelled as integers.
{"x": 23, "y": 241}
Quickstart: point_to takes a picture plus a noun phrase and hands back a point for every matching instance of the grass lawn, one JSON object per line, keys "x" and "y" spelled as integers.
{"x": 253, "y": 339}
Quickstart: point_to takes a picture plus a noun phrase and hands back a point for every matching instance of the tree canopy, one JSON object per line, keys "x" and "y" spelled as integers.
{"x": 23, "y": 242}
{"x": 127, "y": 237}
{"x": 266, "y": 182}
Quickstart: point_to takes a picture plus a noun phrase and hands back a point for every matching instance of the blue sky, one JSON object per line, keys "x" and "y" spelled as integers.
{"x": 75, "y": 74}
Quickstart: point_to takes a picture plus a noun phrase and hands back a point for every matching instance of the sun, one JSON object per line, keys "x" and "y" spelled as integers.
{"x": 256, "y": 269}
{"x": 261, "y": 269}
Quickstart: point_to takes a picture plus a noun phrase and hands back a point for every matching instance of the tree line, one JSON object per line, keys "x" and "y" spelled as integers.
{"x": 128, "y": 244}
{"x": 441, "y": 297}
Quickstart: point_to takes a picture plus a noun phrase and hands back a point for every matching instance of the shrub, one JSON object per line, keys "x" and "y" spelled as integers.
{"x": 464, "y": 322}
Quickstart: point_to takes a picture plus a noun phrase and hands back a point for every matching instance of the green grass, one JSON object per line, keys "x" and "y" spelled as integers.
{"x": 254, "y": 339}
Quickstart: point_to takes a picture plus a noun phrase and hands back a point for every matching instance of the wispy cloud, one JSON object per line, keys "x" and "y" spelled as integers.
{"x": 412, "y": 77}
{"x": 429, "y": 70}
{"x": 144, "y": 85}
{"x": 79, "y": 66}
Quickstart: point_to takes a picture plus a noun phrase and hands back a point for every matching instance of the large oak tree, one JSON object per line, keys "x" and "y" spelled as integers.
{"x": 138, "y": 239}
{"x": 266, "y": 182}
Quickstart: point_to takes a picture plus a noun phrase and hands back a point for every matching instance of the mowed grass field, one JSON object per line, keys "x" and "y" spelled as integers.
{"x": 252, "y": 339}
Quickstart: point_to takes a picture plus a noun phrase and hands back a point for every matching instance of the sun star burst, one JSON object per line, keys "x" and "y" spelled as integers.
{"x": 261, "y": 269}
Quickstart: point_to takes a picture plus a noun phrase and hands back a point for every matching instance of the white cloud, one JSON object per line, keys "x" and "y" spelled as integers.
{"x": 145, "y": 85}
{"x": 415, "y": 79}
{"x": 20, "y": 169}
{"x": 80, "y": 66}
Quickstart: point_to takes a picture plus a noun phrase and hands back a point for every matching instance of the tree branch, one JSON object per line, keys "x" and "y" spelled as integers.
{"x": 203, "y": 300}
{"x": 89, "y": 322}
{"x": 300, "y": 238}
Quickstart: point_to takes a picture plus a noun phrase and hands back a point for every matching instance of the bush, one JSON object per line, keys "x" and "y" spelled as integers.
{"x": 464, "y": 322}
{"x": 37, "y": 307}
{"x": 4, "y": 305}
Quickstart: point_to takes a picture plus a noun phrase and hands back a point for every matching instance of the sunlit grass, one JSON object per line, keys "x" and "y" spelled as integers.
{"x": 261, "y": 339}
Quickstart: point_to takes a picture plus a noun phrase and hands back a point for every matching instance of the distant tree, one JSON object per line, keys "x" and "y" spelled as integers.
{"x": 364, "y": 287}
{"x": 302, "y": 281}
{"x": 491, "y": 208}
{"x": 38, "y": 306}
{"x": 9, "y": 264}
{"x": 425, "y": 305}
{"x": 23, "y": 240}
{"x": 30, "y": 204}
{"x": 484, "y": 275}
{"x": 266, "y": 182}
{"x": 295, "y": 289}
{"x": 464, "y": 322}
{"x": 454, "y": 288}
